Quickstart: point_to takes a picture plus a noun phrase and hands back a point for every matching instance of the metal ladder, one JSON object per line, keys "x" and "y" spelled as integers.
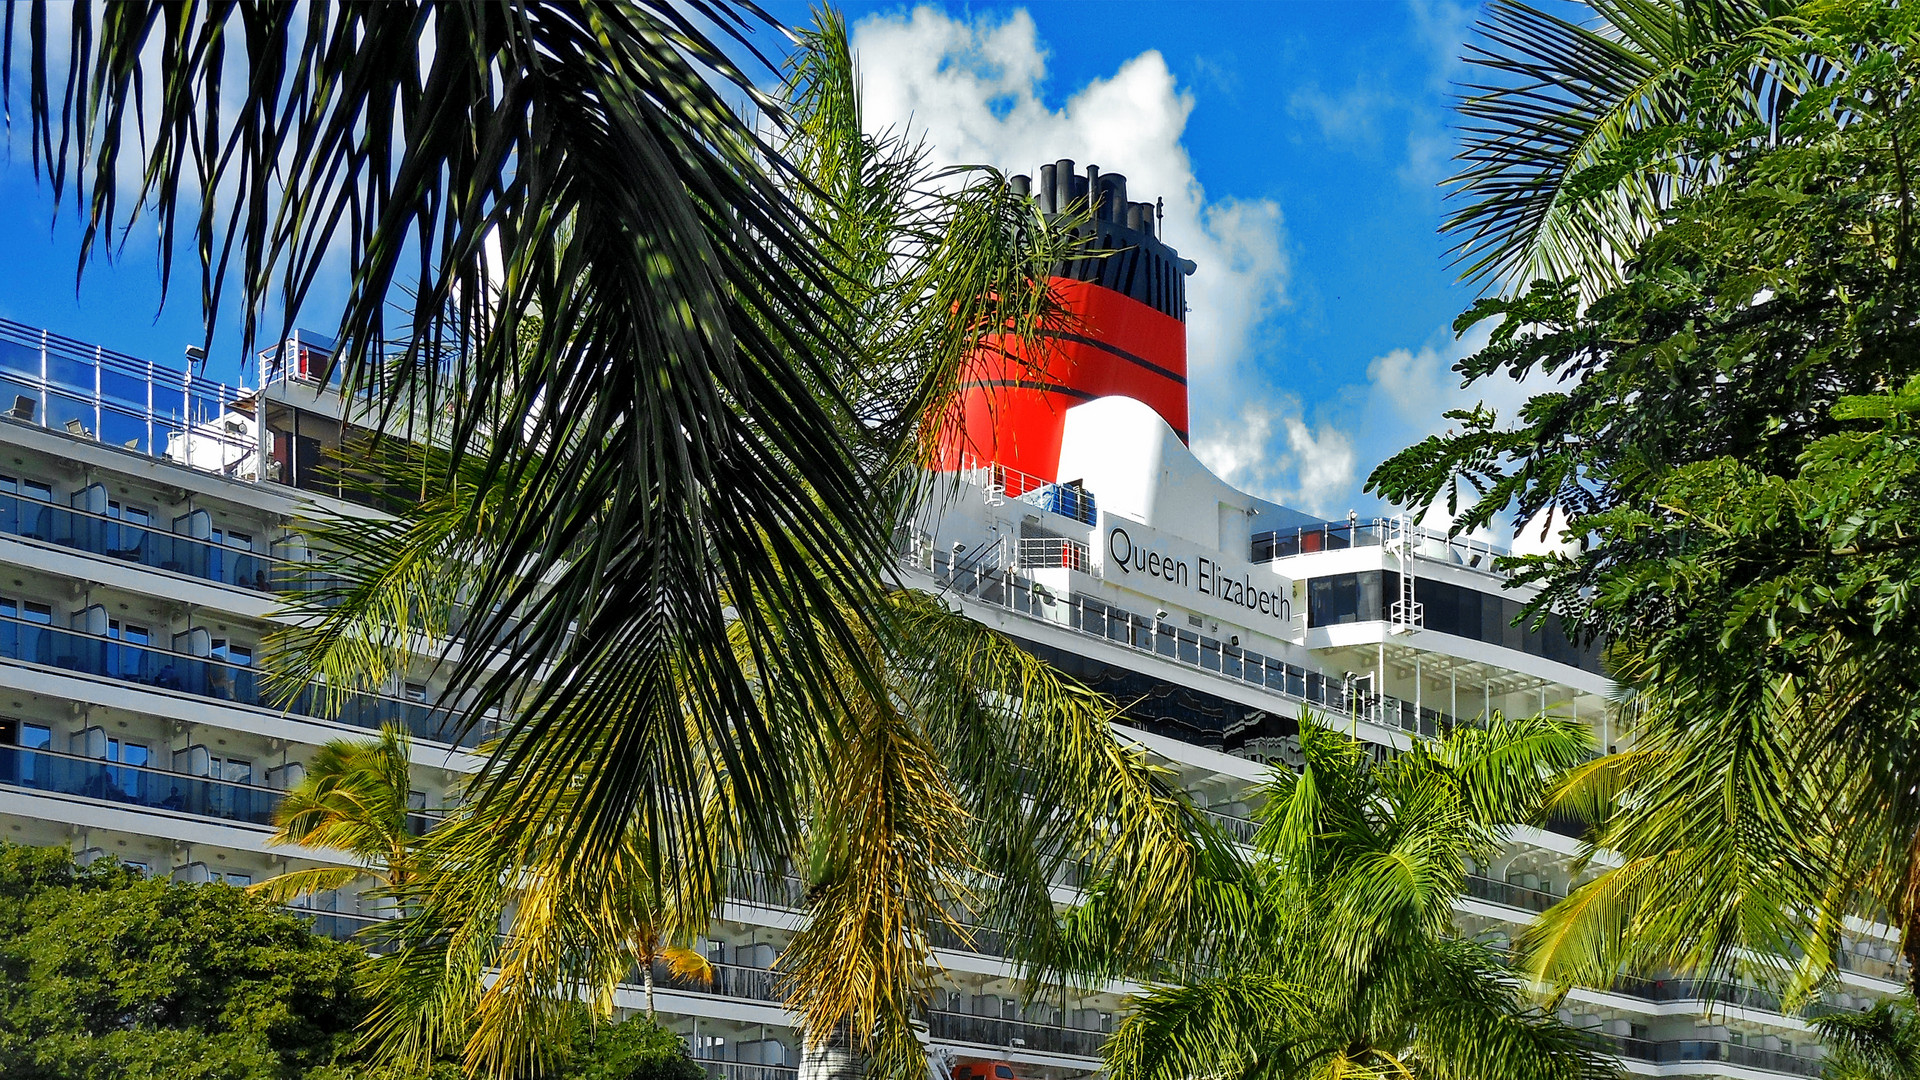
{"x": 1406, "y": 614}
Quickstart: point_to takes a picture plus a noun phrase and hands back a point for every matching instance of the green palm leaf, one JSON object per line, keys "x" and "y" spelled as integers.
{"x": 1566, "y": 159}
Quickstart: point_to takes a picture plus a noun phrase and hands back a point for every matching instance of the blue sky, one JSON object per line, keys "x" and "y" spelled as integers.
{"x": 1300, "y": 147}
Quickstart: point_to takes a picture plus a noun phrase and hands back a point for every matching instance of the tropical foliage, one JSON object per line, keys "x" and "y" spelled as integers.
{"x": 354, "y": 798}
{"x": 106, "y": 973}
{"x": 1728, "y": 443}
{"x": 1568, "y": 155}
{"x": 668, "y": 449}
{"x": 1335, "y": 953}
{"x": 1882, "y": 1043}
{"x": 912, "y": 752}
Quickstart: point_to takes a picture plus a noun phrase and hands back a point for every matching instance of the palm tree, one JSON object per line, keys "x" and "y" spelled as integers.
{"x": 613, "y": 305}
{"x": 353, "y": 798}
{"x": 1334, "y": 953}
{"x": 680, "y": 961}
{"x": 916, "y": 751}
{"x": 1570, "y": 150}
{"x": 1882, "y": 1043}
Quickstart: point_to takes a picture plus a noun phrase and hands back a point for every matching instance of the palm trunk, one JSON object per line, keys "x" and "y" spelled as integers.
{"x": 835, "y": 1059}
{"x": 646, "y": 977}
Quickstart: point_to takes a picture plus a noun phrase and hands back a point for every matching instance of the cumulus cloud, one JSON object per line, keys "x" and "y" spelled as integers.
{"x": 972, "y": 87}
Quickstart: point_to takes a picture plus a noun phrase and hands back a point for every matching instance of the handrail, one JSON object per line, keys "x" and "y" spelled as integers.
{"x": 1012, "y": 1034}
{"x": 120, "y": 400}
{"x": 1053, "y": 552}
{"x": 136, "y": 785}
{"x": 1097, "y": 618}
{"x": 1481, "y": 887}
{"x": 220, "y": 680}
{"x": 1684, "y": 1050}
{"x": 1339, "y": 535}
{"x": 32, "y": 519}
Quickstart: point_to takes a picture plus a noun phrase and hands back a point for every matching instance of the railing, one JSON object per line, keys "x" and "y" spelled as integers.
{"x": 1095, "y": 618}
{"x": 338, "y": 925}
{"x": 1069, "y": 500}
{"x": 136, "y": 785}
{"x": 1685, "y": 1050}
{"x": 1739, "y": 996}
{"x": 1053, "y": 552}
{"x": 1241, "y": 829}
{"x": 1014, "y": 1034}
{"x": 1335, "y": 536}
{"x": 740, "y": 1070}
{"x": 38, "y": 643}
{"x": 141, "y": 545}
{"x": 1894, "y": 970}
{"x": 94, "y": 393}
{"x": 729, "y": 980}
{"x": 1502, "y": 892}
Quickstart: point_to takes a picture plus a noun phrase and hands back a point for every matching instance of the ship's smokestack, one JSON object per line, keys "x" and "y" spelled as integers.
{"x": 1125, "y": 300}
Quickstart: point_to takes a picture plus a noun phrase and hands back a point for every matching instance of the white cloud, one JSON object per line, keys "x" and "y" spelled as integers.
{"x": 1324, "y": 466}
{"x": 973, "y": 89}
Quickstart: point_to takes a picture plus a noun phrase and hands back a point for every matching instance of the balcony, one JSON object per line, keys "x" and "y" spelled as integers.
{"x": 1218, "y": 659}
{"x": 1701, "y": 1050}
{"x": 1891, "y": 967}
{"x": 119, "y": 400}
{"x": 138, "y": 545}
{"x": 1514, "y": 896}
{"x": 136, "y": 786}
{"x": 37, "y": 643}
{"x": 1339, "y": 535}
{"x": 1014, "y": 1034}
{"x": 1241, "y": 829}
{"x": 741, "y": 1070}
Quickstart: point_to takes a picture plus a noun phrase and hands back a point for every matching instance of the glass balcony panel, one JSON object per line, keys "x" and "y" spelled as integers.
{"x": 142, "y": 545}
{"x": 178, "y": 672}
{"x": 156, "y": 789}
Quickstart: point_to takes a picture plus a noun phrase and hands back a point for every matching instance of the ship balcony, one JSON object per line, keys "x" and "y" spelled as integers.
{"x": 26, "y": 641}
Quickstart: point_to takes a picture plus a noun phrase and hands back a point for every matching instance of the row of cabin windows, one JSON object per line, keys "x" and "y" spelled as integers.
{"x": 40, "y": 490}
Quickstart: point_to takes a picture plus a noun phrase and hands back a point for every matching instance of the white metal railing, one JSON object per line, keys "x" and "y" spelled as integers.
{"x": 979, "y": 576}
{"x": 1336, "y": 535}
{"x": 1001, "y": 482}
{"x": 1053, "y": 552}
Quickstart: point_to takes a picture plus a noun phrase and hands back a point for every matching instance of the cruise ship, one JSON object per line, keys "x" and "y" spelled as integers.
{"x": 147, "y": 529}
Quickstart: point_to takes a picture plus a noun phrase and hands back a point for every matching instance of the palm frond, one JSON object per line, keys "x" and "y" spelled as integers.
{"x": 1233, "y": 1026}
{"x": 656, "y": 390}
{"x": 1566, "y": 157}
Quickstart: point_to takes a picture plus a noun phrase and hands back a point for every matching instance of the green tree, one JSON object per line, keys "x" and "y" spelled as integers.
{"x": 108, "y": 974}
{"x": 1727, "y": 448}
{"x": 1335, "y": 953}
{"x": 633, "y": 1049}
{"x": 1882, "y": 1043}
{"x": 352, "y": 798}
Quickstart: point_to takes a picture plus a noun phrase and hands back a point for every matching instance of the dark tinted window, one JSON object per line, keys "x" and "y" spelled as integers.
{"x": 1447, "y": 608}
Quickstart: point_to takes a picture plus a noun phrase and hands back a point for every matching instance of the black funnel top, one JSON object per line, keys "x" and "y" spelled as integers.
{"x": 1139, "y": 264}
